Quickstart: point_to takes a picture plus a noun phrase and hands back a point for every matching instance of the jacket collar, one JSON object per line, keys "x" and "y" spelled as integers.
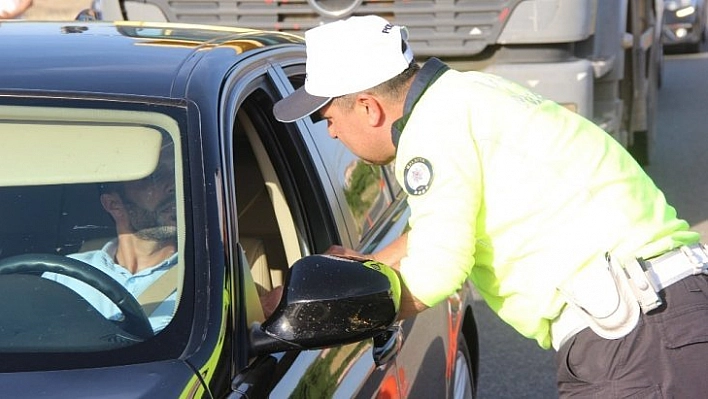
{"x": 428, "y": 74}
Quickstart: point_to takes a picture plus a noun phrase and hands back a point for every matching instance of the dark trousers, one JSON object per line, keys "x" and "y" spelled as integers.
{"x": 665, "y": 356}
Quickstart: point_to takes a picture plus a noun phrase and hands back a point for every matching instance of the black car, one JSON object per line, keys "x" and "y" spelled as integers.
{"x": 89, "y": 108}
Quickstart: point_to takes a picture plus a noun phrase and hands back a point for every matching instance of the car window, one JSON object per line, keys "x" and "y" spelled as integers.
{"x": 72, "y": 180}
{"x": 267, "y": 230}
{"x": 366, "y": 190}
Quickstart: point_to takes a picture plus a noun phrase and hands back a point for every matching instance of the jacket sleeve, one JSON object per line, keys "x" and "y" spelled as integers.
{"x": 437, "y": 164}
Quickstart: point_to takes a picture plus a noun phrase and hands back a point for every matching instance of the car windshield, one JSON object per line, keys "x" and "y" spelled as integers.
{"x": 91, "y": 223}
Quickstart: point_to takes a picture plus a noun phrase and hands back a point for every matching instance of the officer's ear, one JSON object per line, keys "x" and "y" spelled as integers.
{"x": 371, "y": 108}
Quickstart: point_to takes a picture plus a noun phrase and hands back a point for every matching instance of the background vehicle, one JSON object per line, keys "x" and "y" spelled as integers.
{"x": 600, "y": 58}
{"x": 685, "y": 24}
{"x": 82, "y": 104}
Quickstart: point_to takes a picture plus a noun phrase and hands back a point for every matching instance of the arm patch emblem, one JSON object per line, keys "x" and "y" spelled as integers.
{"x": 418, "y": 175}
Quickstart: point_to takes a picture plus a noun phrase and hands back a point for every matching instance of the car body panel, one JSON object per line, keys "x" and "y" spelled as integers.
{"x": 211, "y": 89}
{"x": 140, "y": 381}
{"x": 153, "y": 55}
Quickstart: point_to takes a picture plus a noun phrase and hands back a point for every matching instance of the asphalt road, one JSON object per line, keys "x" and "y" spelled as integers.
{"x": 513, "y": 367}
{"x": 680, "y": 166}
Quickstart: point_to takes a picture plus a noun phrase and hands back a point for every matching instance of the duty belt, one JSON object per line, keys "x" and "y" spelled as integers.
{"x": 666, "y": 269}
{"x": 647, "y": 278}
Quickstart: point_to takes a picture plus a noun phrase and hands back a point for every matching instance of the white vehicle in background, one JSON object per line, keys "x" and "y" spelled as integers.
{"x": 600, "y": 58}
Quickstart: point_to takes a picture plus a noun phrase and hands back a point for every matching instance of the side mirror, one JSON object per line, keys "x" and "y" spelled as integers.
{"x": 330, "y": 300}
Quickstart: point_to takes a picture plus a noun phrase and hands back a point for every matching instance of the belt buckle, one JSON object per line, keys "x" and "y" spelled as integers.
{"x": 697, "y": 256}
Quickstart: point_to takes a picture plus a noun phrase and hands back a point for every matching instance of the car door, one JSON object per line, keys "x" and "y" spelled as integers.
{"x": 282, "y": 207}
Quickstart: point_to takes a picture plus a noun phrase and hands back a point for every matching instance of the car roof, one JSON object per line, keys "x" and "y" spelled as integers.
{"x": 131, "y": 58}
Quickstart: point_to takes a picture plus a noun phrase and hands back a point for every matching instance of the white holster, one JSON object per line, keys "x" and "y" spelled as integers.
{"x": 603, "y": 297}
{"x": 607, "y": 296}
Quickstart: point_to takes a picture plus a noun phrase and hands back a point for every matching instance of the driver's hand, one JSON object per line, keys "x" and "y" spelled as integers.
{"x": 270, "y": 300}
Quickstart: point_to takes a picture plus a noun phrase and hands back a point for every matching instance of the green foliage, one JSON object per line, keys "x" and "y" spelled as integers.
{"x": 359, "y": 194}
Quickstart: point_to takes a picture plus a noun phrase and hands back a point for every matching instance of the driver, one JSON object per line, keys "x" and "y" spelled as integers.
{"x": 146, "y": 245}
{"x": 145, "y": 250}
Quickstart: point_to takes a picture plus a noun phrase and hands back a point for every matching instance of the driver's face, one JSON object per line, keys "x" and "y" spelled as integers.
{"x": 150, "y": 202}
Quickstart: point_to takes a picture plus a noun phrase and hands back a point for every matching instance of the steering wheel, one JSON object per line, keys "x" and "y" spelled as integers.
{"x": 135, "y": 321}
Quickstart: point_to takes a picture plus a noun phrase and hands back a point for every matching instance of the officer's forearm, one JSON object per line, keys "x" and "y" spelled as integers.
{"x": 410, "y": 306}
{"x": 392, "y": 254}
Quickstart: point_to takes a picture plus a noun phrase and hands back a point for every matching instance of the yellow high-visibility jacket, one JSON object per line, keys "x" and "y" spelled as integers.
{"x": 516, "y": 193}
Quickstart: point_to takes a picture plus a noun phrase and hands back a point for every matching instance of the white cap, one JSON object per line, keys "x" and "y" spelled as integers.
{"x": 345, "y": 57}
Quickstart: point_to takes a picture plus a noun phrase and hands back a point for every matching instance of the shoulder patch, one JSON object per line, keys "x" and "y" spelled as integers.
{"x": 418, "y": 175}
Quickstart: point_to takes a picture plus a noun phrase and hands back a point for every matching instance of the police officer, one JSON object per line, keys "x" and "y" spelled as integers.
{"x": 560, "y": 230}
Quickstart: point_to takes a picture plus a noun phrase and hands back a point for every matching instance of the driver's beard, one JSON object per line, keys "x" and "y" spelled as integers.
{"x": 152, "y": 225}
{"x": 158, "y": 233}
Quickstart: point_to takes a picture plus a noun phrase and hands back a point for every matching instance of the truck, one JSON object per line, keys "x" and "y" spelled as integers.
{"x": 600, "y": 58}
